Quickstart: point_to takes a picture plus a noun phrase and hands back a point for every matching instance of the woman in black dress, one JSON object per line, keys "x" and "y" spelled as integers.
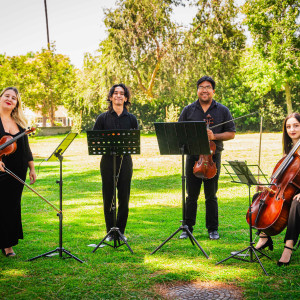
{"x": 13, "y": 122}
{"x": 291, "y": 136}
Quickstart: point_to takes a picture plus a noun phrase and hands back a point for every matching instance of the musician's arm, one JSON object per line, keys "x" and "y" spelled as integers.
{"x": 225, "y": 136}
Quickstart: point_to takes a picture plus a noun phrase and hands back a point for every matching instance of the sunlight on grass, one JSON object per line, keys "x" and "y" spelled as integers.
{"x": 13, "y": 273}
{"x": 155, "y": 213}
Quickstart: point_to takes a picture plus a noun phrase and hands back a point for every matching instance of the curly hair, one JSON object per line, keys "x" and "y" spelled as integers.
{"x": 126, "y": 94}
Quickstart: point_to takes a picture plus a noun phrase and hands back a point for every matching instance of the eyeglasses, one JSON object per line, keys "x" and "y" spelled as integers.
{"x": 207, "y": 88}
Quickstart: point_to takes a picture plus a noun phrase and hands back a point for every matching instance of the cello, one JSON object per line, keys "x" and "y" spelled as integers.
{"x": 205, "y": 167}
{"x": 270, "y": 209}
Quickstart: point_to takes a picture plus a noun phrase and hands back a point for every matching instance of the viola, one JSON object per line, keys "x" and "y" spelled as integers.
{"x": 270, "y": 209}
{"x": 205, "y": 167}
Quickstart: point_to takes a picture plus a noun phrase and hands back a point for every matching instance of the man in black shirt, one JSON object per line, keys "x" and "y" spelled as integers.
{"x": 117, "y": 117}
{"x": 200, "y": 110}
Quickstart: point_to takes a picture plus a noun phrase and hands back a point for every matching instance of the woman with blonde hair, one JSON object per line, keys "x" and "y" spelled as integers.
{"x": 12, "y": 123}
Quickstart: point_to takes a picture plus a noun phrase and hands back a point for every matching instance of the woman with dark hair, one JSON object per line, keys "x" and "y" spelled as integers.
{"x": 291, "y": 136}
{"x": 13, "y": 122}
{"x": 117, "y": 117}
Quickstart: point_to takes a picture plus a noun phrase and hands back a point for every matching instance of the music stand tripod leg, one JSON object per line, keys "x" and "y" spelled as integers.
{"x": 241, "y": 169}
{"x": 71, "y": 255}
{"x": 59, "y": 249}
{"x": 196, "y": 242}
{"x": 260, "y": 262}
{"x": 180, "y": 228}
{"x": 233, "y": 255}
{"x": 124, "y": 240}
{"x": 42, "y": 255}
{"x": 101, "y": 242}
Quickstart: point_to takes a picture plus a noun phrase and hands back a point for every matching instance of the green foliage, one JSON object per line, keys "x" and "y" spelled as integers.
{"x": 45, "y": 79}
{"x": 172, "y": 113}
{"x": 141, "y": 36}
{"x": 161, "y": 61}
{"x": 275, "y": 31}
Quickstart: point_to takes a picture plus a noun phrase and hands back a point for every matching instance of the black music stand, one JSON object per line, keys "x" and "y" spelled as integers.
{"x": 114, "y": 142}
{"x": 245, "y": 176}
{"x": 58, "y": 155}
{"x": 180, "y": 138}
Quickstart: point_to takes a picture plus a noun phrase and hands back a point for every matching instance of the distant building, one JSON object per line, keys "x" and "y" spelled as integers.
{"x": 61, "y": 117}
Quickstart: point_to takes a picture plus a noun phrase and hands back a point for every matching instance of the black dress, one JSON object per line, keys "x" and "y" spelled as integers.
{"x": 11, "y": 191}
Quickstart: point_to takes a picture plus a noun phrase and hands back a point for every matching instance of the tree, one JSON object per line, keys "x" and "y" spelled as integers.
{"x": 214, "y": 43}
{"x": 140, "y": 36}
{"x": 45, "y": 79}
{"x": 49, "y": 81}
{"x": 275, "y": 29}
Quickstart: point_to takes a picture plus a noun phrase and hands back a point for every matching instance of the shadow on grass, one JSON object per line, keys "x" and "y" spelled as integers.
{"x": 116, "y": 273}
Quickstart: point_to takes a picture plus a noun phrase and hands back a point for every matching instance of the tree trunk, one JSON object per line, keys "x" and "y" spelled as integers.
{"x": 44, "y": 121}
{"x": 52, "y": 115}
{"x": 288, "y": 98}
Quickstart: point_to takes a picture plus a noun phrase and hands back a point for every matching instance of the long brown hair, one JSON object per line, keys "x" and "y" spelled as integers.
{"x": 17, "y": 113}
{"x": 286, "y": 140}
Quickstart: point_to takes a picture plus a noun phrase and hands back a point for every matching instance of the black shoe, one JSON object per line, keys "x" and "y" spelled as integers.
{"x": 184, "y": 235}
{"x": 269, "y": 243}
{"x": 280, "y": 263}
{"x": 124, "y": 238}
{"x": 213, "y": 235}
{"x": 109, "y": 238}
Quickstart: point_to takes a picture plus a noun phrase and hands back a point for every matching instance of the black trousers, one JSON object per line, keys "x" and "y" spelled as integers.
{"x": 123, "y": 189}
{"x": 293, "y": 226}
{"x": 193, "y": 186}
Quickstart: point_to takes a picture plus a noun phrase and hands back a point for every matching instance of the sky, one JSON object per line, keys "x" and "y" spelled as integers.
{"x": 76, "y": 26}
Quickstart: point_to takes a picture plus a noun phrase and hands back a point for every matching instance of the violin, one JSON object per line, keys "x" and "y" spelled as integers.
{"x": 270, "y": 209}
{"x": 8, "y": 145}
{"x": 205, "y": 167}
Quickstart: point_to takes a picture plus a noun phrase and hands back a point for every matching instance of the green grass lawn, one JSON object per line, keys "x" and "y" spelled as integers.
{"x": 155, "y": 212}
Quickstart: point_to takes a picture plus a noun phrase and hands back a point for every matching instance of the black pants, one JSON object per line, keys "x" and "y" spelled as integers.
{"x": 293, "y": 226}
{"x": 193, "y": 186}
{"x": 123, "y": 189}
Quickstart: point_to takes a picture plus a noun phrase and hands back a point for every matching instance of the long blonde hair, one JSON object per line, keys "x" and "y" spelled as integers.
{"x": 17, "y": 113}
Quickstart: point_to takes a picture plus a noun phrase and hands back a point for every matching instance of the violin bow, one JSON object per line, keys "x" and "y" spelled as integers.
{"x": 259, "y": 150}
{"x": 19, "y": 179}
{"x": 255, "y": 112}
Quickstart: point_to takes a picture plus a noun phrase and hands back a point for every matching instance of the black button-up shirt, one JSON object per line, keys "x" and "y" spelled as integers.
{"x": 217, "y": 111}
{"x": 109, "y": 120}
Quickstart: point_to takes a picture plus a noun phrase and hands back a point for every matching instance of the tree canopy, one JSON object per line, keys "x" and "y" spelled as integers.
{"x": 161, "y": 61}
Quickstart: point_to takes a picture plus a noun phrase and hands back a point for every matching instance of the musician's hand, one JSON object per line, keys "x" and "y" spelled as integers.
{"x": 297, "y": 197}
{"x": 32, "y": 176}
{"x": 2, "y": 165}
{"x": 260, "y": 188}
{"x": 210, "y": 135}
